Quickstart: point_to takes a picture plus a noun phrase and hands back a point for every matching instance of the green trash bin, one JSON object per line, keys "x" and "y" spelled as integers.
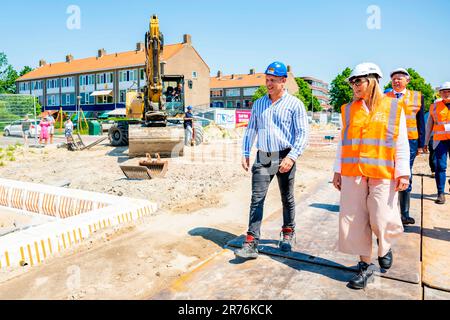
{"x": 95, "y": 128}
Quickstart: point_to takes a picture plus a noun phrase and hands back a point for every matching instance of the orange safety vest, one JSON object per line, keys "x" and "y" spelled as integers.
{"x": 369, "y": 139}
{"x": 412, "y": 101}
{"x": 441, "y": 116}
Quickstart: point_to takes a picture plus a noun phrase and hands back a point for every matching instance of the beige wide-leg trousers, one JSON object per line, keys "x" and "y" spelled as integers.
{"x": 368, "y": 206}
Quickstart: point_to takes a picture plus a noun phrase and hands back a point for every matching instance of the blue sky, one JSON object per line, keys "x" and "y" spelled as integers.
{"x": 317, "y": 38}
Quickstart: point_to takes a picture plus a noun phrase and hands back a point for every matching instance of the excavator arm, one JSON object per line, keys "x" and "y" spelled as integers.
{"x": 154, "y": 104}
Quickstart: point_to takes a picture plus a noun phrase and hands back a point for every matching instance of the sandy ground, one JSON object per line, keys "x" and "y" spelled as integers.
{"x": 203, "y": 201}
{"x": 11, "y": 221}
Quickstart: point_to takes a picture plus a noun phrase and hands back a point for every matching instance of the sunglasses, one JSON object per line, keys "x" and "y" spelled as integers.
{"x": 358, "y": 82}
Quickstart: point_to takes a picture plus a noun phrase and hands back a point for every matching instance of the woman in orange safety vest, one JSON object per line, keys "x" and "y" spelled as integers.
{"x": 372, "y": 165}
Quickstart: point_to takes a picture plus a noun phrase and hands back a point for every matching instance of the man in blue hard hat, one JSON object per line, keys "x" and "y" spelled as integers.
{"x": 188, "y": 118}
{"x": 280, "y": 122}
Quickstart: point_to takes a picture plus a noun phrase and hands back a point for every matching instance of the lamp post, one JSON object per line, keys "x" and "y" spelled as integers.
{"x": 78, "y": 112}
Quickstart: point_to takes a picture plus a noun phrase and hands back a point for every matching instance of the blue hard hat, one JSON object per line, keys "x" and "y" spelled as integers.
{"x": 388, "y": 90}
{"x": 189, "y": 108}
{"x": 277, "y": 69}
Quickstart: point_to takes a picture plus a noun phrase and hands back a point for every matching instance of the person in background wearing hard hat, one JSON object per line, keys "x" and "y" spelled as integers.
{"x": 188, "y": 118}
{"x": 415, "y": 123}
{"x": 280, "y": 122}
{"x": 372, "y": 164}
{"x": 439, "y": 124}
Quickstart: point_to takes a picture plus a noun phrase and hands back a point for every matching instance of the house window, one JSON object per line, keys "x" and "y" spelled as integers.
{"x": 247, "y": 103}
{"x": 238, "y": 104}
{"x": 104, "y": 99}
{"x": 128, "y": 75}
{"x": 67, "y": 82}
{"x": 123, "y": 96}
{"x": 194, "y": 74}
{"x": 249, "y": 92}
{"x": 233, "y": 92}
{"x": 142, "y": 75}
{"x": 230, "y": 104}
{"x": 217, "y": 104}
{"x": 86, "y": 98}
{"x": 103, "y": 78}
{"x": 37, "y": 85}
{"x": 216, "y": 93}
{"x": 53, "y": 100}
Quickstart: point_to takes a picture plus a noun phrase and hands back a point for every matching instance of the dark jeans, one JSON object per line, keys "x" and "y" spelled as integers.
{"x": 432, "y": 157}
{"x": 441, "y": 151}
{"x": 264, "y": 170}
{"x": 413, "y": 146}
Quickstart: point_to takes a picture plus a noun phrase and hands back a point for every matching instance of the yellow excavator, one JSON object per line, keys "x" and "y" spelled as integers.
{"x": 153, "y": 124}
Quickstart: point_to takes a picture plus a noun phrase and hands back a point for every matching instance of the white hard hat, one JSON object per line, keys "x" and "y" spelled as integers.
{"x": 400, "y": 70}
{"x": 445, "y": 86}
{"x": 365, "y": 69}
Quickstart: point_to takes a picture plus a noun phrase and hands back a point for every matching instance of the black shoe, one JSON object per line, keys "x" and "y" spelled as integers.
{"x": 440, "y": 199}
{"x": 287, "y": 236}
{"x": 364, "y": 276}
{"x": 249, "y": 249}
{"x": 386, "y": 261}
{"x": 408, "y": 220}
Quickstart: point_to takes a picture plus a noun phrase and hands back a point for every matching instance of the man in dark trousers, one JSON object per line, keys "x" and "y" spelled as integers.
{"x": 415, "y": 122}
{"x": 188, "y": 118}
{"x": 280, "y": 122}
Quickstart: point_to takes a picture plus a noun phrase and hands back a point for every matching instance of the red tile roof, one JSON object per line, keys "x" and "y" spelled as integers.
{"x": 107, "y": 62}
{"x": 240, "y": 80}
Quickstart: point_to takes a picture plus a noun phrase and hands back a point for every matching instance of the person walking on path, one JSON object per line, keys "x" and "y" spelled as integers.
{"x": 439, "y": 125}
{"x": 26, "y": 125}
{"x": 188, "y": 127}
{"x": 52, "y": 121}
{"x": 280, "y": 122}
{"x": 45, "y": 125}
{"x": 414, "y": 111}
{"x": 430, "y": 150}
{"x": 372, "y": 165}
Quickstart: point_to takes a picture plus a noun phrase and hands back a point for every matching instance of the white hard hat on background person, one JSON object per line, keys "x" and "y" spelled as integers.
{"x": 365, "y": 69}
{"x": 445, "y": 86}
{"x": 400, "y": 70}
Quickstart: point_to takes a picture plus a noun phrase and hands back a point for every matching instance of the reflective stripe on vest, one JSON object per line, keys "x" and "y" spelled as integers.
{"x": 412, "y": 101}
{"x": 371, "y": 152}
{"x": 441, "y": 117}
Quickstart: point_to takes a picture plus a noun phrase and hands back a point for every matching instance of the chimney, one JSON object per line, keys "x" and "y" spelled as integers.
{"x": 232, "y": 76}
{"x": 101, "y": 53}
{"x": 140, "y": 46}
{"x": 69, "y": 58}
{"x": 289, "y": 69}
{"x": 219, "y": 74}
{"x": 252, "y": 71}
{"x": 42, "y": 63}
{"x": 187, "y": 39}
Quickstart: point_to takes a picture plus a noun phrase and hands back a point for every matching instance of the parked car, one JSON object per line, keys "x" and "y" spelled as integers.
{"x": 15, "y": 129}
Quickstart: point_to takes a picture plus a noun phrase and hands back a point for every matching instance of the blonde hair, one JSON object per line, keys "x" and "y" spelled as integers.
{"x": 375, "y": 93}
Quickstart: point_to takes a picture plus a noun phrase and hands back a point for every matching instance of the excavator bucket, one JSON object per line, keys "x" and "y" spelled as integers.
{"x": 167, "y": 141}
{"x": 157, "y": 167}
{"x": 136, "y": 172}
{"x": 147, "y": 169}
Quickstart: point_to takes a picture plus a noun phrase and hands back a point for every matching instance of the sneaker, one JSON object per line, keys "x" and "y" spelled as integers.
{"x": 440, "y": 199}
{"x": 287, "y": 238}
{"x": 365, "y": 275}
{"x": 249, "y": 249}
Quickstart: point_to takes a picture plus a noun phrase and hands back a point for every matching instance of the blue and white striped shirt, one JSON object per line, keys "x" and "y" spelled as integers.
{"x": 279, "y": 126}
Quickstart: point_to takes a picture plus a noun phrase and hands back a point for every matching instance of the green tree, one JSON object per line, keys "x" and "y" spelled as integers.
{"x": 261, "y": 92}
{"x": 341, "y": 92}
{"x": 418, "y": 83}
{"x": 25, "y": 70}
{"x": 305, "y": 95}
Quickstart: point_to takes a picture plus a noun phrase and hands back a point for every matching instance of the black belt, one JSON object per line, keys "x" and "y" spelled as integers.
{"x": 266, "y": 158}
